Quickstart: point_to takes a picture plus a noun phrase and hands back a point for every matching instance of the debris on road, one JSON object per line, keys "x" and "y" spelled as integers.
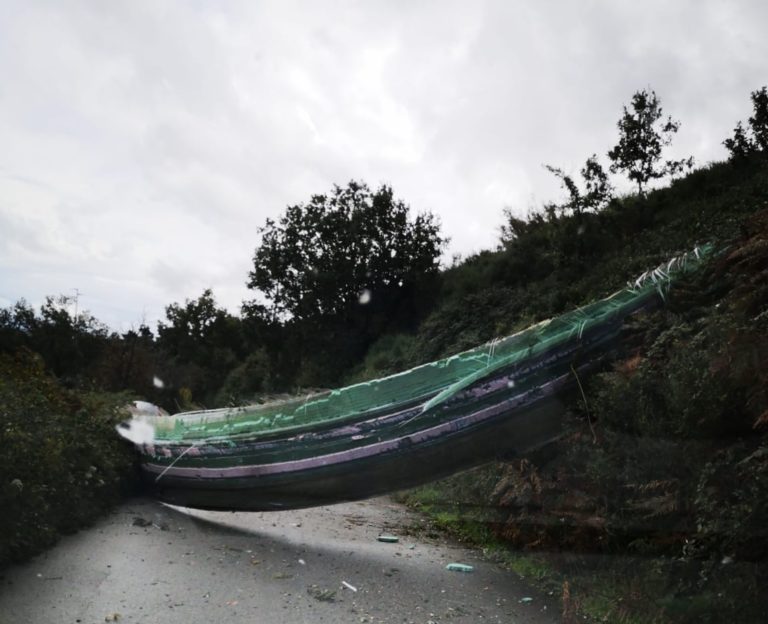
{"x": 526, "y": 599}
{"x": 459, "y": 567}
{"x": 239, "y": 566}
{"x": 323, "y": 595}
{"x": 390, "y": 539}
{"x": 141, "y": 522}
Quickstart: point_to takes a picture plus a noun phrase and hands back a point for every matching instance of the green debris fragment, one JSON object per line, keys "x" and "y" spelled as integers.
{"x": 390, "y": 539}
{"x": 459, "y": 567}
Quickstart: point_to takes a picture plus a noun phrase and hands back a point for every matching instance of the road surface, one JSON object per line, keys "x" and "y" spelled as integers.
{"x": 153, "y": 564}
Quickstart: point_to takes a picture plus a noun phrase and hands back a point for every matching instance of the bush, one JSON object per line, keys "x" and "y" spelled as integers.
{"x": 62, "y": 462}
{"x": 247, "y": 380}
{"x": 666, "y": 462}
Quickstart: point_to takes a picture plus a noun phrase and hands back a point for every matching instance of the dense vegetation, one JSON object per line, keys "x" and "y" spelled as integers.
{"x": 665, "y": 455}
{"x": 62, "y": 464}
{"x": 663, "y": 469}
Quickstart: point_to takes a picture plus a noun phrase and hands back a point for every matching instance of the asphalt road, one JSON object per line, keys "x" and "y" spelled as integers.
{"x": 154, "y": 564}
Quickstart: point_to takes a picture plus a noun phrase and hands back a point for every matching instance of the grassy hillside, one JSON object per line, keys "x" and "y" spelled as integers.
{"x": 654, "y": 506}
{"x": 555, "y": 263}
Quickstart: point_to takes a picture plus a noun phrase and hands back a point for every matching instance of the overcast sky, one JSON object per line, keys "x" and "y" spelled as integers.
{"x": 142, "y": 144}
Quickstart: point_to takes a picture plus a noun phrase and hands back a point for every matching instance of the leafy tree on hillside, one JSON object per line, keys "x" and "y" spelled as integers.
{"x": 743, "y": 143}
{"x": 340, "y": 249}
{"x": 17, "y": 324}
{"x": 201, "y": 343}
{"x": 68, "y": 343}
{"x": 597, "y": 189}
{"x": 642, "y": 136}
{"x": 336, "y": 272}
{"x": 128, "y": 361}
{"x": 189, "y": 326}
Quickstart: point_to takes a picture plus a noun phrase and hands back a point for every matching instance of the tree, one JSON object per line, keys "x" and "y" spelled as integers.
{"x": 202, "y": 343}
{"x": 337, "y": 272}
{"x": 743, "y": 143}
{"x": 128, "y": 361}
{"x": 597, "y": 189}
{"x": 642, "y": 136}
{"x": 327, "y": 256}
{"x": 67, "y": 343}
{"x": 195, "y": 323}
{"x": 758, "y": 123}
{"x": 17, "y": 325}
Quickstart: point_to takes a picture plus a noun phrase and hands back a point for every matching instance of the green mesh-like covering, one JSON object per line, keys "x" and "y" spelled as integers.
{"x": 429, "y": 384}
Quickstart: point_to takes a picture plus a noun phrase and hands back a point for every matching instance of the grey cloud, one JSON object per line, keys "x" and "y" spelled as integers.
{"x": 154, "y": 138}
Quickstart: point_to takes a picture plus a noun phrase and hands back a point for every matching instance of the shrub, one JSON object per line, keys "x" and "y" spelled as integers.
{"x": 62, "y": 462}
